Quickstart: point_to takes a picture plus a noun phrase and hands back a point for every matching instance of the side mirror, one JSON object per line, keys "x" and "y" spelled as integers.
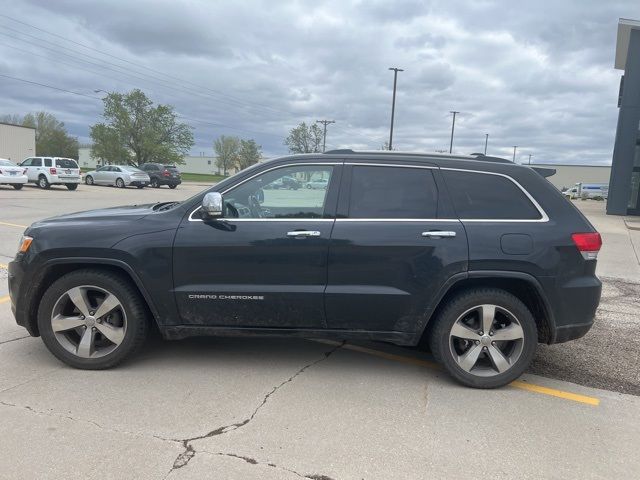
{"x": 213, "y": 205}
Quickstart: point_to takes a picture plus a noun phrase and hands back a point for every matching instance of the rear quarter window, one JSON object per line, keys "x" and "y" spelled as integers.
{"x": 489, "y": 197}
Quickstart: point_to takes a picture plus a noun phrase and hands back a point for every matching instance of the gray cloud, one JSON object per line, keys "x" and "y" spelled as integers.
{"x": 535, "y": 75}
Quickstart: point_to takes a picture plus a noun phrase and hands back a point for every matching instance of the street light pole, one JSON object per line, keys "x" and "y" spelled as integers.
{"x": 453, "y": 126}
{"x": 514, "y": 153}
{"x": 486, "y": 141}
{"x": 324, "y": 132}
{"x": 530, "y": 158}
{"x": 393, "y": 103}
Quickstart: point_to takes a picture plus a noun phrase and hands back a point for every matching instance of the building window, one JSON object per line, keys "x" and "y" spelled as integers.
{"x": 208, "y": 162}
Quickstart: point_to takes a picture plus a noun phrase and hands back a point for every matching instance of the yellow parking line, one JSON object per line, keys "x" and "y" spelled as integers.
{"x": 4, "y": 299}
{"x": 531, "y": 387}
{"x": 13, "y": 225}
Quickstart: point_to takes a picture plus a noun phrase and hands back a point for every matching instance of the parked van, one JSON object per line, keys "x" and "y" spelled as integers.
{"x": 588, "y": 190}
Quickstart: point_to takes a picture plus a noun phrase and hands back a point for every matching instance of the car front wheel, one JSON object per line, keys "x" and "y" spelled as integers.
{"x": 120, "y": 183}
{"x": 154, "y": 183}
{"x": 88, "y": 180}
{"x": 485, "y": 338}
{"x": 92, "y": 319}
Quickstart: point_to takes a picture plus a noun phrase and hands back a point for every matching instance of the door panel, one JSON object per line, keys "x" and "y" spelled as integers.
{"x": 384, "y": 275}
{"x": 265, "y": 263}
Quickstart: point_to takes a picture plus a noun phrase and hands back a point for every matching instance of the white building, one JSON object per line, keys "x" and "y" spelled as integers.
{"x": 17, "y": 142}
{"x": 192, "y": 164}
{"x": 569, "y": 175}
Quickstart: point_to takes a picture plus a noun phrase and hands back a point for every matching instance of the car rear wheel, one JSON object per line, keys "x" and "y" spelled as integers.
{"x": 72, "y": 186}
{"x": 172, "y": 186}
{"x": 485, "y": 338}
{"x": 120, "y": 183}
{"x": 140, "y": 186}
{"x": 43, "y": 182}
{"x": 18, "y": 186}
{"x": 154, "y": 183}
{"x": 92, "y": 319}
{"x": 88, "y": 180}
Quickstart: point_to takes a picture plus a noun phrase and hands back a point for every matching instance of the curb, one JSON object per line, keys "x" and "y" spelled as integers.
{"x": 632, "y": 224}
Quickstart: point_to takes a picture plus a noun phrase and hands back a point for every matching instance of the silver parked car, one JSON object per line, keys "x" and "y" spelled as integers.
{"x": 119, "y": 175}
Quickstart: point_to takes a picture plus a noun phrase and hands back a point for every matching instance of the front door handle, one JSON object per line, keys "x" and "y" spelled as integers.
{"x": 438, "y": 234}
{"x": 303, "y": 233}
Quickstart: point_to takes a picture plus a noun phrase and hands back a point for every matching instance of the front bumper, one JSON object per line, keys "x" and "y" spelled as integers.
{"x": 16, "y": 291}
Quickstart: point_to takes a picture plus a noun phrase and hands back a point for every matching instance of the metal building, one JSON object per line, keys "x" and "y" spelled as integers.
{"x": 567, "y": 176}
{"x": 17, "y": 142}
{"x": 624, "y": 186}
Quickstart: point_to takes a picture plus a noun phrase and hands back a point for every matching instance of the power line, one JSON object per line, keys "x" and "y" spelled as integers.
{"x": 127, "y": 72}
{"x": 49, "y": 86}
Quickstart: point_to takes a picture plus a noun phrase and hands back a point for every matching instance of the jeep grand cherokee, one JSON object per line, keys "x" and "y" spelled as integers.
{"x": 476, "y": 256}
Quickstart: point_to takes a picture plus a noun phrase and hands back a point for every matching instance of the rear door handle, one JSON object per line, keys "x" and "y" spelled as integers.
{"x": 438, "y": 234}
{"x": 303, "y": 233}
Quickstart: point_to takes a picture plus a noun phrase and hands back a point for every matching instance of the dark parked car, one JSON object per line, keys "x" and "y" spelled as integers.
{"x": 162, "y": 174}
{"x": 478, "y": 257}
{"x": 287, "y": 183}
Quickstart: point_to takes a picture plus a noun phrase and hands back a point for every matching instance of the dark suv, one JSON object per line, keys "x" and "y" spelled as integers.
{"x": 476, "y": 256}
{"x": 160, "y": 174}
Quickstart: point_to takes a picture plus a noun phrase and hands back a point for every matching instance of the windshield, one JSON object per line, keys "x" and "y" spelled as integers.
{"x": 6, "y": 163}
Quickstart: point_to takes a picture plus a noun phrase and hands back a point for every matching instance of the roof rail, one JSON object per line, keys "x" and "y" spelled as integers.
{"x": 473, "y": 156}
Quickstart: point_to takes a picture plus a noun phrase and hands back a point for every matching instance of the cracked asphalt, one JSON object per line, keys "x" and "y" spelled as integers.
{"x": 257, "y": 408}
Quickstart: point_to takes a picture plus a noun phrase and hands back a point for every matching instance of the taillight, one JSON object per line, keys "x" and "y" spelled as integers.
{"x": 166, "y": 173}
{"x": 52, "y": 171}
{"x": 588, "y": 244}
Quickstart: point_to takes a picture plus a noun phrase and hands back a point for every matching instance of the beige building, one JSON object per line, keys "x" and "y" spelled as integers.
{"x": 569, "y": 175}
{"x": 17, "y": 142}
{"x": 192, "y": 164}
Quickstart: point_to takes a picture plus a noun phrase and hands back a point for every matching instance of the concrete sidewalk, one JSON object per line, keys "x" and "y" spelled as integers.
{"x": 620, "y": 254}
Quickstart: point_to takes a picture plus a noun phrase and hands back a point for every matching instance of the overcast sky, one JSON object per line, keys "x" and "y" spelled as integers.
{"x": 534, "y": 74}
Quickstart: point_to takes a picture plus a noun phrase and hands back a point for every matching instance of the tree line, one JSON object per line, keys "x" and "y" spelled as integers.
{"x": 135, "y": 131}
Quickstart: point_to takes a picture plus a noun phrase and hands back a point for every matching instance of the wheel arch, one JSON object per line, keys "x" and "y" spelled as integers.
{"x": 520, "y": 284}
{"x": 58, "y": 267}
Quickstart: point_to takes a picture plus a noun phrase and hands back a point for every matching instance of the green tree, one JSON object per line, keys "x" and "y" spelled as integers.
{"x": 108, "y": 146}
{"x": 304, "y": 139}
{"x": 227, "y": 149}
{"x": 52, "y": 138}
{"x": 248, "y": 154}
{"x": 151, "y": 133}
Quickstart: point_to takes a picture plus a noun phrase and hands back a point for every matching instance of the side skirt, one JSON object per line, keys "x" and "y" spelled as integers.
{"x": 178, "y": 332}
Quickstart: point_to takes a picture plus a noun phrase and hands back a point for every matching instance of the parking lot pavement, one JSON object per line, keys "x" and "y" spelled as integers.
{"x": 290, "y": 409}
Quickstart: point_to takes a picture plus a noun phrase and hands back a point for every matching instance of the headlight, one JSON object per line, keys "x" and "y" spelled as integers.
{"x": 25, "y": 243}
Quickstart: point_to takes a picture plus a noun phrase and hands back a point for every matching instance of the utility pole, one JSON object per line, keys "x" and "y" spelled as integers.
{"x": 486, "y": 141}
{"x": 393, "y": 103}
{"x": 514, "y": 153}
{"x": 530, "y": 158}
{"x": 453, "y": 126}
{"x": 324, "y": 132}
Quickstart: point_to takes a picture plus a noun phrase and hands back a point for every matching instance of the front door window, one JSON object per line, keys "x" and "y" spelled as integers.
{"x": 284, "y": 193}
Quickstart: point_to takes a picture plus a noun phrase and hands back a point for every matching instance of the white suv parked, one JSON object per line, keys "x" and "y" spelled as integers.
{"x": 47, "y": 171}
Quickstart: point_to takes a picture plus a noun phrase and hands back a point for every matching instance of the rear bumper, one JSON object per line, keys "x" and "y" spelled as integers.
{"x": 57, "y": 180}
{"x": 169, "y": 181}
{"x": 13, "y": 180}
{"x": 574, "y": 303}
{"x": 136, "y": 183}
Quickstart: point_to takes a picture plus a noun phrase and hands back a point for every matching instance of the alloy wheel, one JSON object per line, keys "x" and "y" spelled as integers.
{"x": 89, "y": 321}
{"x": 486, "y": 340}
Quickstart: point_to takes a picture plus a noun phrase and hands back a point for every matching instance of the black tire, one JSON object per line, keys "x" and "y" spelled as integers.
{"x": 140, "y": 186}
{"x": 120, "y": 183}
{"x": 154, "y": 183}
{"x": 114, "y": 283}
{"x": 72, "y": 186}
{"x": 18, "y": 186}
{"x": 440, "y": 340}
{"x": 88, "y": 180}
{"x": 43, "y": 183}
{"x": 172, "y": 186}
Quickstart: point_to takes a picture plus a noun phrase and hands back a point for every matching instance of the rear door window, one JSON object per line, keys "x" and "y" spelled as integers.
{"x": 482, "y": 196}
{"x": 393, "y": 192}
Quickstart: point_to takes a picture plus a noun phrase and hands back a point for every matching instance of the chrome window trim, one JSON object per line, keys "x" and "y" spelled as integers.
{"x": 543, "y": 215}
{"x": 191, "y": 219}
